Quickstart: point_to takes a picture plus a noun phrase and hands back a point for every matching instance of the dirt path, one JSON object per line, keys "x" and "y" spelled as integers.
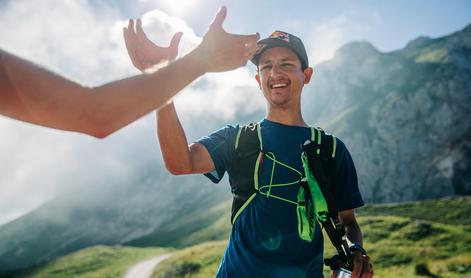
{"x": 144, "y": 269}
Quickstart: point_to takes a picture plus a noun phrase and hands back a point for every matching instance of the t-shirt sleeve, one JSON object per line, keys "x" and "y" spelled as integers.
{"x": 220, "y": 145}
{"x": 346, "y": 180}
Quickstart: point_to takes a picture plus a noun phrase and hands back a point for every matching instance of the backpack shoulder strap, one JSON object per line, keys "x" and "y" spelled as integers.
{"x": 326, "y": 142}
{"x": 322, "y": 163}
{"x": 249, "y": 133}
{"x": 248, "y": 146}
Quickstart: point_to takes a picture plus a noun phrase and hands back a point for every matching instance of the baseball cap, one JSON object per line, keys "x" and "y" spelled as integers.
{"x": 282, "y": 39}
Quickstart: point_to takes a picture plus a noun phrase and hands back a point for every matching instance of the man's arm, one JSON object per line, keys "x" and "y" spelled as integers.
{"x": 33, "y": 94}
{"x": 179, "y": 157}
{"x": 361, "y": 264}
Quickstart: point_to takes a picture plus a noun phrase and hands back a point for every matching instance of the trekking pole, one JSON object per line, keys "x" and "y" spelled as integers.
{"x": 342, "y": 262}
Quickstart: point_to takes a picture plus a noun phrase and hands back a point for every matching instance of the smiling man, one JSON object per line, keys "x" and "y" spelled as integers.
{"x": 265, "y": 168}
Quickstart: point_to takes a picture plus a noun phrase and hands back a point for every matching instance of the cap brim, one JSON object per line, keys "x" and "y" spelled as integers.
{"x": 269, "y": 43}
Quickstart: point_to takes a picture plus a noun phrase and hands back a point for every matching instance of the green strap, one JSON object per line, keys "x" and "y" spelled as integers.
{"x": 238, "y": 137}
{"x": 267, "y": 193}
{"x": 271, "y": 156}
{"x": 243, "y": 207}
{"x": 255, "y": 173}
{"x": 259, "y": 134}
{"x": 260, "y": 156}
{"x": 334, "y": 146}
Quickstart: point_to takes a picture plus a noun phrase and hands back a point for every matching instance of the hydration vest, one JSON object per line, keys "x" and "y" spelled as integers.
{"x": 316, "y": 196}
{"x": 311, "y": 203}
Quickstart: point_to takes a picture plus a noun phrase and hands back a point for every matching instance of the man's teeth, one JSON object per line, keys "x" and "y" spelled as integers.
{"x": 278, "y": 85}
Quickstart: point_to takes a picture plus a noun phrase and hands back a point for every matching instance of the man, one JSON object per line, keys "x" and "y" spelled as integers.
{"x": 32, "y": 94}
{"x": 265, "y": 240}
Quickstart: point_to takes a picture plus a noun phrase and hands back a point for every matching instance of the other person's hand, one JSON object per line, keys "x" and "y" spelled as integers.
{"x": 143, "y": 52}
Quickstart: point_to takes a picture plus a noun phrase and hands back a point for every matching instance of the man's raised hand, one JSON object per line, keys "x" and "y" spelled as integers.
{"x": 221, "y": 51}
{"x": 218, "y": 51}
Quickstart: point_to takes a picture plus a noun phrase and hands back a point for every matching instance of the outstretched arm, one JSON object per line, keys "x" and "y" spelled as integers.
{"x": 179, "y": 157}
{"x": 33, "y": 94}
{"x": 36, "y": 95}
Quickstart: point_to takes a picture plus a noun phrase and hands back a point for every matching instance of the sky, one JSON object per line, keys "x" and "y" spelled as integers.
{"x": 82, "y": 41}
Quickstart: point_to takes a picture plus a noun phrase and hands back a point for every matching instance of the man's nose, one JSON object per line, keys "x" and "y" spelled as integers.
{"x": 275, "y": 69}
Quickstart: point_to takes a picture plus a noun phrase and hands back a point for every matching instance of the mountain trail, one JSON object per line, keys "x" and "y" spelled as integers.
{"x": 144, "y": 269}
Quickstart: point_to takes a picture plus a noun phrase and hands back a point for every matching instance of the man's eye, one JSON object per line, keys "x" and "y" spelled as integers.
{"x": 287, "y": 65}
{"x": 266, "y": 67}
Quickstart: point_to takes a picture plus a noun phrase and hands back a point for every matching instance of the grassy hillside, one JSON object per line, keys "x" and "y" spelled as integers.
{"x": 200, "y": 261}
{"x": 419, "y": 239}
{"x": 201, "y": 225}
{"x": 455, "y": 211}
{"x": 429, "y": 238}
{"x": 95, "y": 262}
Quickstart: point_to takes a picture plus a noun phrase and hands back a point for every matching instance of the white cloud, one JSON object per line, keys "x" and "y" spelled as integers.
{"x": 223, "y": 95}
{"x": 85, "y": 44}
{"x": 327, "y": 36}
{"x": 178, "y": 8}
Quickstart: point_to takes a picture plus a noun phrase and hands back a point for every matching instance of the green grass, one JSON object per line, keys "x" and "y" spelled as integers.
{"x": 437, "y": 55}
{"x": 198, "y": 261}
{"x": 95, "y": 262}
{"x": 419, "y": 239}
{"x": 203, "y": 224}
{"x": 456, "y": 210}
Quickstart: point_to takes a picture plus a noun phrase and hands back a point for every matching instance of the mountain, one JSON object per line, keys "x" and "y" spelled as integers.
{"x": 110, "y": 215}
{"x": 404, "y": 115}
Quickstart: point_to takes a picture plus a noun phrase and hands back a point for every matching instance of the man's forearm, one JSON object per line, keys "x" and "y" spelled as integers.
{"x": 44, "y": 98}
{"x": 352, "y": 229}
{"x": 173, "y": 142}
{"x": 141, "y": 94}
{"x": 353, "y": 233}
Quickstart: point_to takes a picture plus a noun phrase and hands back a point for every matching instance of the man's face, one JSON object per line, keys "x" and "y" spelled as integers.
{"x": 280, "y": 76}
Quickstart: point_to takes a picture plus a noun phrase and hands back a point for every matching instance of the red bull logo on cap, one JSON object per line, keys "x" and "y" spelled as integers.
{"x": 280, "y": 35}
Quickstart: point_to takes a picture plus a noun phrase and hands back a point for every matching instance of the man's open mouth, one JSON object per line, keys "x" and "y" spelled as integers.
{"x": 279, "y": 85}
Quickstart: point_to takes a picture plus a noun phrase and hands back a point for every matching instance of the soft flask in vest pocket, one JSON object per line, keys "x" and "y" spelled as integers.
{"x": 305, "y": 212}
{"x": 311, "y": 203}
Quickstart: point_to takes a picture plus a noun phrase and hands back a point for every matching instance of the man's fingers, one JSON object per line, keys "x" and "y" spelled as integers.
{"x": 357, "y": 265}
{"x": 247, "y": 39}
{"x": 219, "y": 19}
{"x": 139, "y": 31}
{"x": 173, "y": 48}
{"x": 128, "y": 42}
{"x": 247, "y": 43}
{"x": 129, "y": 33}
{"x": 142, "y": 36}
{"x": 131, "y": 25}
{"x": 367, "y": 267}
{"x": 176, "y": 40}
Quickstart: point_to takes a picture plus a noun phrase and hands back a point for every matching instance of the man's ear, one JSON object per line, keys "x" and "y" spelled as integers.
{"x": 257, "y": 77}
{"x": 308, "y": 72}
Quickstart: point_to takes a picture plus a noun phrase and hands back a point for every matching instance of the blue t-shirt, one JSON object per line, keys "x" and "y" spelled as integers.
{"x": 264, "y": 240}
